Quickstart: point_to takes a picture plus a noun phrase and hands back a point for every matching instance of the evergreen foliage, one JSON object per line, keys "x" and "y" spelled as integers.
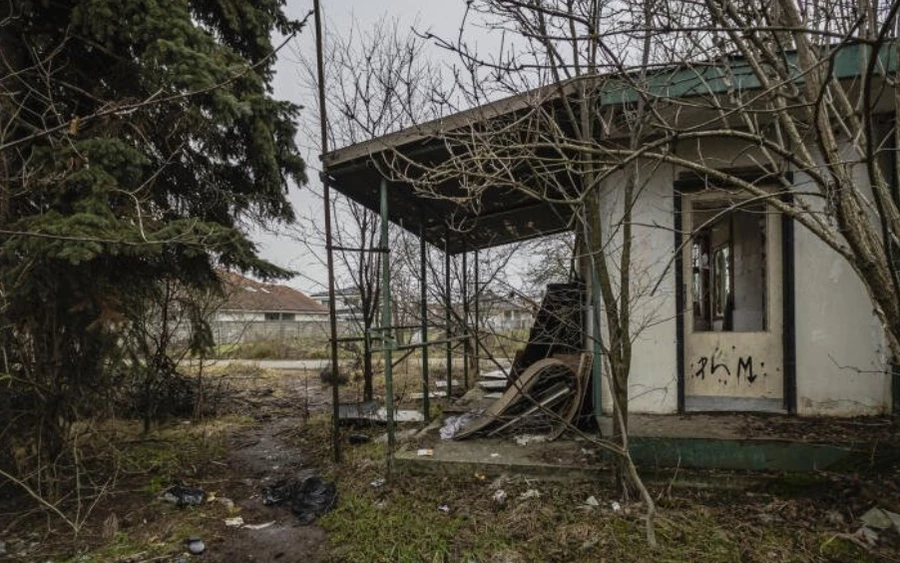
{"x": 138, "y": 141}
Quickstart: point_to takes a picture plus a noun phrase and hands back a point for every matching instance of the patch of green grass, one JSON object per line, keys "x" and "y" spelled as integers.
{"x": 401, "y": 522}
{"x": 279, "y": 349}
{"x": 120, "y": 547}
{"x": 401, "y": 529}
{"x": 840, "y": 549}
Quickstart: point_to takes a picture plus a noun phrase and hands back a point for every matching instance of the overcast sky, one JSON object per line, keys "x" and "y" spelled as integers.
{"x": 441, "y": 17}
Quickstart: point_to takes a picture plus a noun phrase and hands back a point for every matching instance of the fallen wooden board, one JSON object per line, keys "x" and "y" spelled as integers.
{"x": 370, "y": 411}
{"x": 556, "y": 393}
{"x": 431, "y": 394}
{"x": 516, "y": 392}
{"x": 581, "y": 375}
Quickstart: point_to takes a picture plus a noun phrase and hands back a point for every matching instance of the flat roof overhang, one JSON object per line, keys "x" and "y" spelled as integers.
{"x": 444, "y": 213}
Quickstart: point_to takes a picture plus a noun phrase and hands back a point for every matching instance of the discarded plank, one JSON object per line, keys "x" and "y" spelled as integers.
{"x": 494, "y": 374}
{"x": 516, "y": 392}
{"x": 431, "y": 394}
{"x": 547, "y": 400}
{"x": 370, "y": 411}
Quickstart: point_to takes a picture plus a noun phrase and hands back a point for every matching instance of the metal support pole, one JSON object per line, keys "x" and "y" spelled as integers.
{"x": 387, "y": 341}
{"x": 448, "y": 303}
{"x": 426, "y": 410}
{"x": 597, "y": 364}
{"x": 477, "y": 321}
{"x": 326, "y": 195}
{"x": 465, "y": 300}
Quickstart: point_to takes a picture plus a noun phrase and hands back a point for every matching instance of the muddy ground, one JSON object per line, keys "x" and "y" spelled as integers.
{"x": 252, "y": 445}
{"x": 270, "y": 426}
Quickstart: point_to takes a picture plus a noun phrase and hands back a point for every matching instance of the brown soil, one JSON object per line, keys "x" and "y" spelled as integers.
{"x": 260, "y": 458}
{"x": 129, "y": 524}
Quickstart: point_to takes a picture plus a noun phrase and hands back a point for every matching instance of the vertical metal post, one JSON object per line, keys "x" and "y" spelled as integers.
{"x": 326, "y": 195}
{"x": 465, "y": 300}
{"x": 426, "y": 410}
{"x": 477, "y": 361}
{"x": 448, "y": 303}
{"x": 387, "y": 340}
{"x": 597, "y": 364}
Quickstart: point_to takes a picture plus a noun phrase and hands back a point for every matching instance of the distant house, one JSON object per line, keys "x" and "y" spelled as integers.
{"x": 254, "y": 310}
{"x": 506, "y": 312}
{"x": 348, "y": 303}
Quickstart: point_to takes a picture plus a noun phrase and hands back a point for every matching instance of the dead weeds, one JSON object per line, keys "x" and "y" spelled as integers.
{"x": 802, "y": 519}
{"x": 448, "y": 519}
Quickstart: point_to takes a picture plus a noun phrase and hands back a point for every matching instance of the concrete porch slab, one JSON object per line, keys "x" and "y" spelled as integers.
{"x": 739, "y": 442}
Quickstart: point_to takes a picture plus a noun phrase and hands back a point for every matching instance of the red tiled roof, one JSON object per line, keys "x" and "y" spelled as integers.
{"x": 244, "y": 294}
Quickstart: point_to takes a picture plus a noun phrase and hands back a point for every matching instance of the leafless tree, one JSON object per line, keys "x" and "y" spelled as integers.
{"x": 377, "y": 80}
{"x": 606, "y": 94}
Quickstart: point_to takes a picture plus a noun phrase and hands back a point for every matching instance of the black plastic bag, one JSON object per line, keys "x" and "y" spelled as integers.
{"x": 308, "y": 498}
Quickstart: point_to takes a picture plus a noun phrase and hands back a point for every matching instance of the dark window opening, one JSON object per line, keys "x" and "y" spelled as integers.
{"x": 728, "y": 261}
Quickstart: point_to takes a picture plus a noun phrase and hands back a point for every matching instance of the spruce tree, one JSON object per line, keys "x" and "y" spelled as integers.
{"x": 139, "y": 140}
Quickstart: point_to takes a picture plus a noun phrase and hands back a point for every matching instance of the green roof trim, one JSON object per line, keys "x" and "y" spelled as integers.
{"x": 703, "y": 79}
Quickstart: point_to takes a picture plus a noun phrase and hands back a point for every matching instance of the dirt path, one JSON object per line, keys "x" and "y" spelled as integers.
{"x": 261, "y": 456}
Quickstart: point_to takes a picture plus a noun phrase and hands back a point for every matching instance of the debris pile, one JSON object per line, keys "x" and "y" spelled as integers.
{"x": 180, "y": 495}
{"x": 544, "y": 398}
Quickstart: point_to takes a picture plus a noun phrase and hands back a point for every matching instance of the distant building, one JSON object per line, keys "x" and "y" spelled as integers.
{"x": 348, "y": 303}
{"x": 254, "y": 310}
{"x": 506, "y": 312}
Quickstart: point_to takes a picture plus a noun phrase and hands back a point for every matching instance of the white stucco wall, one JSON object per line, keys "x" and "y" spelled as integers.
{"x": 234, "y": 316}
{"x": 841, "y": 355}
{"x": 842, "y": 360}
{"x": 653, "y": 380}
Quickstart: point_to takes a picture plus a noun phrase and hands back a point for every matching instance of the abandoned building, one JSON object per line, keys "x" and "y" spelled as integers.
{"x": 253, "y": 311}
{"x": 742, "y": 309}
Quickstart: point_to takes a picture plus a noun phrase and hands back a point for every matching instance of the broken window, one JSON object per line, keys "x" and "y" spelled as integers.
{"x": 728, "y": 261}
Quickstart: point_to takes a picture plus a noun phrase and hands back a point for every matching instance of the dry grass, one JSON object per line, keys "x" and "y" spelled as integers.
{"x": 402, "y": 522}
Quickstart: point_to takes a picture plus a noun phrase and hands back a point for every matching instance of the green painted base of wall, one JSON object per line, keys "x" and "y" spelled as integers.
{"x": 744, "y": 455}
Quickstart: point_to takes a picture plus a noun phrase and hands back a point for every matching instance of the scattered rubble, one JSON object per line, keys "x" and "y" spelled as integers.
{"x": 224, "y": 501}
{"x": 418, "y": 395}
{"x": 525, "y": 439}
{"x": 453, "y": 424}
{"x": 183, "y": 496}
{"x": 370, "y": 411}
{"x": 545, "y": 397}
{"x": 195, "y": 545}
{"x": 865, "y": 536}
{"x": 881, "y": 519}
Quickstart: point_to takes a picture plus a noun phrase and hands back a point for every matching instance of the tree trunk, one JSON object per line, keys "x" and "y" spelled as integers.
{"x": 367, "y": 368}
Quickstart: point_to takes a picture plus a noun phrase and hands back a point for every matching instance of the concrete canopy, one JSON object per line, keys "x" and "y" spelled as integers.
{"x": 445, "y": 214}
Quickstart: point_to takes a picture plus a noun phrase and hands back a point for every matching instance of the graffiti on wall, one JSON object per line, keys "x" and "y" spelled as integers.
{"x": 737, "y": 368}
